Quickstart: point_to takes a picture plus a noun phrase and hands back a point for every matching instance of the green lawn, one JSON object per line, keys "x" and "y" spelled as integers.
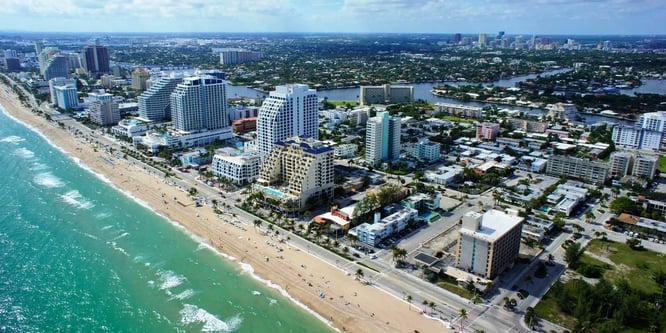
{"x": 661, "y": 164}
{"x": 635, "y": 266}
{"x": 343, "y": 103}
{"x": 548, "y": 310}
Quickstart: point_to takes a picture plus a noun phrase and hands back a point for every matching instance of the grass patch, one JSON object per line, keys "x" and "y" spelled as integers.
{"x": 456, "y": 119}
{"x": 637, "y": 267}
{"x": 661, "y": 164}
{"x": 343, "y": 103}
{"x": 548, "y": 309}
{"x": 455, "y": 289}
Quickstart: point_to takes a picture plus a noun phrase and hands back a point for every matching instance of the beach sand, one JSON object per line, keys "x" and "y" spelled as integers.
{"x": 348, "y": 304}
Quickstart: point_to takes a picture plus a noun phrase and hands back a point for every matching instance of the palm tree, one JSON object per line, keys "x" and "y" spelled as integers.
{"x": 359, "y": 274}
{"x": 462, "y": 314}
{"x": 530, "y": 316}
{"x": 257, "y": 223}
{"x": 425, "y": 305}
{"x": 409, "y": 301}
{"x": 432, "y": 306}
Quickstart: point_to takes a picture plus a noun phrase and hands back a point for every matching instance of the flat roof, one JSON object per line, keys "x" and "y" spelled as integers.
{"x": 494, "y": 224}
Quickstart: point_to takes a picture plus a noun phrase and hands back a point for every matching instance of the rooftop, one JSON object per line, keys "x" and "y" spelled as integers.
{"x": 494, "y": 224}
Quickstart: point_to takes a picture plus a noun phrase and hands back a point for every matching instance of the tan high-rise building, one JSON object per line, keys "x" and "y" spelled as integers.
{"x": 139, "y": 78}
{"x": 488, "y": 243}
{"x": 297, "y": 171}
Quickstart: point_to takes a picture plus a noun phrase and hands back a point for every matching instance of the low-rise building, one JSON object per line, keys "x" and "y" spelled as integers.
{"x": 373, "y": 234}
{"x": 566, "y": 197}
{"x": 240, "y": 168}
{"x": 459, "y": 110}
{"x": 583, "y": 169}
{"x": 427, "y": 151}
{"x": 346, "y": 150}
{"x": 445, "y": 175}
{"x": 487, "y": 131}
{"x": 130, "y": 128}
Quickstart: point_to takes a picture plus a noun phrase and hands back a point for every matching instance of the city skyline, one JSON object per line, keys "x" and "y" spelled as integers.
{"x": 622, "y": 17}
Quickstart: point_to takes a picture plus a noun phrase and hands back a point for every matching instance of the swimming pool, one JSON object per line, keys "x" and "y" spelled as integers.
{"x": 273, "y": 192}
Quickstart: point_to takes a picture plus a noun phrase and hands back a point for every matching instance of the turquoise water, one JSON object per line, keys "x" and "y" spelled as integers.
{"x": 78, "y": 256}
{"x": 273, "y": 192}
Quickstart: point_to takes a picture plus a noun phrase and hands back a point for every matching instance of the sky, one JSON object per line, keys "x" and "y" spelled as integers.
{"x": 613, "y": 17}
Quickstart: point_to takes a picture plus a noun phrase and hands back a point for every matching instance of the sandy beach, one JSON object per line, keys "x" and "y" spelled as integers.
{"x": 348, "y": 304}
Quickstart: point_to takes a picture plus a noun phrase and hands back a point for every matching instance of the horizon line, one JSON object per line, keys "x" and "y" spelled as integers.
{"x": 330, "y": 33}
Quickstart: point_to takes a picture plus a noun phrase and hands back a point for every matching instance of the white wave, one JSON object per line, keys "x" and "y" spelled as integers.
{"x": 170, "y": 279}
{"x": 121, "y": 235}
{"x": 12, "y": 139}
{"x": 103, "y": 216}
{"x": 184, "y": 295}
{"x": 256, "y": 293}
{"x": 38, "y": 166}
{"x": 75, "y": 199}
{"x": 118, "y": 248}
{"x": 47, "y": 179}
{"x": 107, "y": 227}
{"x": 24, "y": 153}
{"x": 272, "y": 301}
{"x": 191, "y": 314}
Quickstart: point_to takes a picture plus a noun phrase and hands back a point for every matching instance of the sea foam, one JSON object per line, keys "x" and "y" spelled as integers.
{"x": 191, "y": 314}
{"x": 75, "y": 199}
{"x": 47, "y": 179}
{"x": 12, "y": 139}
{"x": 24, "y": 153}
{"x": 170, "y": 279}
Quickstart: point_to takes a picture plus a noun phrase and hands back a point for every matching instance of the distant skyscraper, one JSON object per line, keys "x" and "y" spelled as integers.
{"x": 382, "y": 138}
{"x": 155, "y": 103}
{"x": 139, "y": 78}
{"x": 237, "y": 56}
{"x": 56, "y": 66}
{"x": 500, "y": 35}
{"x": 9, "y": 53}
{"x": 482, "y": 39}
{"x": 199, "y": 103}
{"x": 12, "y": 64}
{"x": 39, "y": 46}
{"x": 95, "y": 60}
{"x": 457, "y": 38}
{"x": 289, "y": 111}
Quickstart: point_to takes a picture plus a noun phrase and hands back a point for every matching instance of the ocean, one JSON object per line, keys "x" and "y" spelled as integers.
{"x": 77, "y": 255}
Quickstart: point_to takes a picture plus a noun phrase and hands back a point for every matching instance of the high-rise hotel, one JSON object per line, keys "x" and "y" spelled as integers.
{"x": 199, "y": 103}
{"x": 289, "y": 111}
{"x": 382, "y": 138}
{"x": 155, "y": 103}
{"x": 95, "y": 59}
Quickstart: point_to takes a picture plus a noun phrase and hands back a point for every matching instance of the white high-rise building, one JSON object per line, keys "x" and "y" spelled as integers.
{"x": 155, "y": 103}
{"x": 382, "y": 138}
{"x": 199, "y": 103}
{"x": 645, "y": 166}
{"x": 289, "y": 111}
{"x": 58, "y": 81}
{"x": 647, "y": 133}
{"x": 66, "y": 96}
{"x": 653, "y": 121}
{"x": 103, "y": 109}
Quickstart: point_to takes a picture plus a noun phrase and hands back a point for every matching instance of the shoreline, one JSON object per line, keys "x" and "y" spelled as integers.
{"x": 293, "y": 273}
